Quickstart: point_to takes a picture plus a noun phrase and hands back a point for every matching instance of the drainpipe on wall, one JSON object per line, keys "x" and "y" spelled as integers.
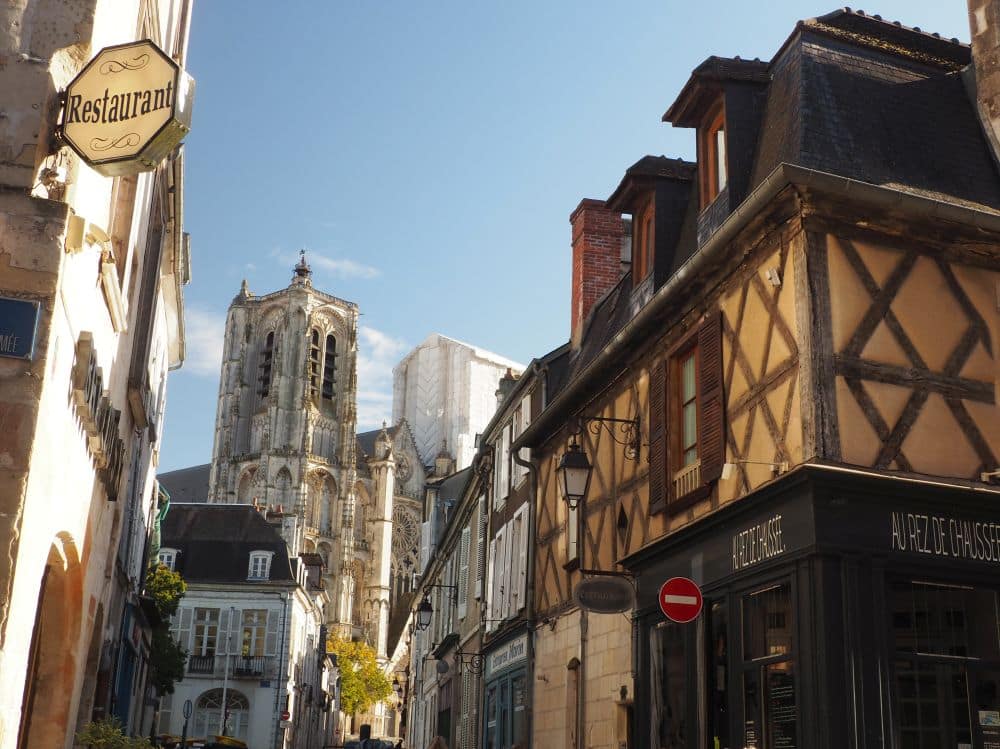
{"x": 529, "y": 613}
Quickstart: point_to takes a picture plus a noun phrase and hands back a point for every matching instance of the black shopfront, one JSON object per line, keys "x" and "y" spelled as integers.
{"x": 841, "y": 609}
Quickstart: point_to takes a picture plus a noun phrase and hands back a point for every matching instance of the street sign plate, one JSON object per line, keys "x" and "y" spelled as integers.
{"x": 680, "y": 600}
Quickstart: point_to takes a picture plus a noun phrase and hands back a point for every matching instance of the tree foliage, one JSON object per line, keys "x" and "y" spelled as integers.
{"x": 362, "y": 682}
{"x": 108, "y": 734}
{"x": 166, "y": 657}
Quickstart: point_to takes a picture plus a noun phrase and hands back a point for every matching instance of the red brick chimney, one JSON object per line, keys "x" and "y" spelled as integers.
{"x": 597, "y": 246}
{"x": 984, "y": 25}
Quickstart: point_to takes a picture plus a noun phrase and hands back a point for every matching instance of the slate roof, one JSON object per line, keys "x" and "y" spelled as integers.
{"x": 186, "y": 484}
{"x": 451, "y": 487}
{"x": 879, "y": 103}
{"x": 365, "y": 442}
{"x": 649, "y": 167}
{"x": 215, "y": 541}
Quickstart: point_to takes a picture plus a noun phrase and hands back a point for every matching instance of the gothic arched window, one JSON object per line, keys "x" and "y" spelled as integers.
{"x": 314, "y": 354}
{"x": 266, "y": 356}
{"x": 329, "y": 366}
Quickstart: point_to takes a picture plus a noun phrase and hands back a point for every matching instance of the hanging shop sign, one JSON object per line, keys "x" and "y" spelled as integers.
{"x": 605, "y": 595}
{"x": 127, "y": 109}
{"x": 18, "y": 322}
{"x": 680, "y": 600}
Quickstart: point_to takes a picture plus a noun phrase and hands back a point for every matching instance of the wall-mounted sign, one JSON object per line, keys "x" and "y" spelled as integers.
{"x": 507, "y": 655}
{"x": 758, "y": 543}
{"x": 945, "y": 536}
{"x": 127, "y": 108}
{"x": 18, "y": 322}
{"x": 605, "y": 595}
{"x": 680, "y": 600}
{"x": 99, "y": 418}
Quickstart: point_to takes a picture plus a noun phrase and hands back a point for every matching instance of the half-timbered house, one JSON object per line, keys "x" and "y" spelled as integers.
{"x": 805, "y": 341}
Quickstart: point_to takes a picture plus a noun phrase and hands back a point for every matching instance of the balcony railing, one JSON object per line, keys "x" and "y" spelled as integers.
{"x": 201, "y": 664}
{"x": 687, "y": 479}
{"x": 253, "y": 666}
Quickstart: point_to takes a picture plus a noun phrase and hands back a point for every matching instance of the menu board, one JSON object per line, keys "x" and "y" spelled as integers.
{"x": 782, "y": 712}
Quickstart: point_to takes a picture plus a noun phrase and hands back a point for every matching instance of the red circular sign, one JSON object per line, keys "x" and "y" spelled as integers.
{"x": 285, "y": 715}
{"x": 680, "y": 600}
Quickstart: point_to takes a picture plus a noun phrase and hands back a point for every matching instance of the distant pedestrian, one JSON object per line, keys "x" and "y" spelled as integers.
{"x": 399, "y": 744}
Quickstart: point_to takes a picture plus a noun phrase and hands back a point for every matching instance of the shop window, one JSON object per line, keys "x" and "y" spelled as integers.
{"x": 686, "y": 412}
{"x": 769, "y": 680}
{"x": 947, "y": 666}
{"x": 712, "y": 156}
{"x": 643, "y": 243}
{"x": 491, "y": 717}
{"x": 668, "y": 686}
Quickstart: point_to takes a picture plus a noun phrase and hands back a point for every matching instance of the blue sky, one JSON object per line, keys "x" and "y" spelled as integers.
{"x": 427, "y": 156}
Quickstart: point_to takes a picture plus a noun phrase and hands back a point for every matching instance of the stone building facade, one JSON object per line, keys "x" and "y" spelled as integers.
{"x": 99, "y": 264}
{"x": 286, "y": 438}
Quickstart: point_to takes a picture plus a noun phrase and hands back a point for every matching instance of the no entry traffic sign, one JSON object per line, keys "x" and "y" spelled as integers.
{"x": 680, "y": 600}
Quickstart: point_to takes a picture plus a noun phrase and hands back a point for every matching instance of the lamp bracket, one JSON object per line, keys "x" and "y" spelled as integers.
{"x": 624, "y": 432}
{"x": 452, "y": 588}
{"x": 473, "y": 661}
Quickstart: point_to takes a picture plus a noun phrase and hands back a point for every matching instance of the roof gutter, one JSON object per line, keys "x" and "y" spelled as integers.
{"x": 669, "y": 296}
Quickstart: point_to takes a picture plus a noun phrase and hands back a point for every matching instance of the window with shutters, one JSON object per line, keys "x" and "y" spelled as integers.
{"x": 687, "y": 448}
{"x": 252, "y": 632}
{"x": 482, "y": 520}
{"x": 206, "y": 631}
{"x": 463, "y": 573}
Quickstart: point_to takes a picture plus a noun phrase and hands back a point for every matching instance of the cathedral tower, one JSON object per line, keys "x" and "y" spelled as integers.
{"x": 285, "y": 424}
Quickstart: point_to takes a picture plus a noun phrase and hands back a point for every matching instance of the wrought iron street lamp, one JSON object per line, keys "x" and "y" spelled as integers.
{"x": 574, "y": 474}
{"x": 424, "y": 613}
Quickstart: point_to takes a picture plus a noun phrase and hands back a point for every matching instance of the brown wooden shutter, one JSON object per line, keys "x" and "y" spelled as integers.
{"x": 711, "y": 423}
{"x": 657, "y": 436}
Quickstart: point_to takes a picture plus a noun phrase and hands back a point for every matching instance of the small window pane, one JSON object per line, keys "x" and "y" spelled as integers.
{"x": 945, "y": 620}
{"x": 720, "y": 154}
{"x": 688, "y": 380}
{"x": 690, "y": 424}
{"x": 768, "y": 622}
{"x": 782, "y": 711}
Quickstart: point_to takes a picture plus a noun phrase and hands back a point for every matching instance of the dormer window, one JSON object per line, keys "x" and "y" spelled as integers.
{"x": 168, "y": 558}
{"x": 712, "y": 156}
{"x": 260, "y": 565}
{"x": 642, "y": 243}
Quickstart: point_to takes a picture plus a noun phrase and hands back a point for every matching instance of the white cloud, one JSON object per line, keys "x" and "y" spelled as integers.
{"x": 203, "y": 334}
{"x": 378, "y": 353}
{"x": 339, "y": 267}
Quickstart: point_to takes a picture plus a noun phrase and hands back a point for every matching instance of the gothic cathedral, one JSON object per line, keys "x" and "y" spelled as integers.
{"x": 285, "y": 439}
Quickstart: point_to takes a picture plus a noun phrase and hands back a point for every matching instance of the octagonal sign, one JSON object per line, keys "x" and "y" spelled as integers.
{"x": 127, "y": 108}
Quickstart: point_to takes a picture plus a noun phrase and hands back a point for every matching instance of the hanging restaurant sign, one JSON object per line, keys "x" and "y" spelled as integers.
{"x": 604, "y": 595}
{"x": 127, "y": 109}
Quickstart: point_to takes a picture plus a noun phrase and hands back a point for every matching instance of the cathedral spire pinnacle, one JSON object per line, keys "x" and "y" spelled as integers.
{"x": 303, "y": 273}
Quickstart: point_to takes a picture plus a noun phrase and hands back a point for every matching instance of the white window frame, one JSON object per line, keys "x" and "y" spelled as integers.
{"x": 168, "y": 557}
{"x": 259, "y": 567}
